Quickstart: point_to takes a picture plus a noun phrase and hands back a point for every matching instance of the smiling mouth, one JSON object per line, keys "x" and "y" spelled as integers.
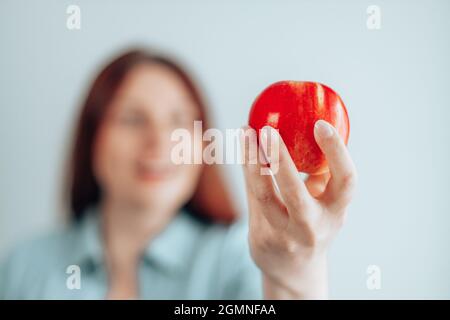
{"x": 154, "y": 172}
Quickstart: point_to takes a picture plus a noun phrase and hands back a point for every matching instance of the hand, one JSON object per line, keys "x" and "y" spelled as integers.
{"x": 291, "y": 227}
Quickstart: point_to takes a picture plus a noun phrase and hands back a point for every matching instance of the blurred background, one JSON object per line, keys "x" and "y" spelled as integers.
{"x": 393, "y": 80}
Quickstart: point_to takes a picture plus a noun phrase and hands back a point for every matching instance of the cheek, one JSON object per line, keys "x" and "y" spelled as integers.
{"x": 192, "y": 171}
{"x": 113, "y": 157}
{"x": 187, "y": 179}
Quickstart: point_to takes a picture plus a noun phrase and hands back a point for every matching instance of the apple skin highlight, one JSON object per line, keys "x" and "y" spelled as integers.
{"x": 293, "y": 107}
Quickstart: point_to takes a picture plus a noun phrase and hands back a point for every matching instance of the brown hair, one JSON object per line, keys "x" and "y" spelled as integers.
{"x": 83, "y": 190}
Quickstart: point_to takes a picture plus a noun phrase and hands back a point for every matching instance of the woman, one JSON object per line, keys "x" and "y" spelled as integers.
{"x": 143, "y": 227}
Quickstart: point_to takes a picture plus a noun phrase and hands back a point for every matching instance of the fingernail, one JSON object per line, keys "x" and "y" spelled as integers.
{"x": 241, "y": 134}
{"x": 242, "y": 139}
{"x": 263, "y": 138}
{"x": 323, "y": 129}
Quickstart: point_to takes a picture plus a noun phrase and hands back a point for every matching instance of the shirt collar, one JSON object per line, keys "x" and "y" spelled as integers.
{"x": 173, "y": 247}
{"x": 89, "y": 247}
{"x": 170, "y": 250}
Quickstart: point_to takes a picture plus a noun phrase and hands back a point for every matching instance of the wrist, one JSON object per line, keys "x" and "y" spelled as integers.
{"x": 309, "y": 280}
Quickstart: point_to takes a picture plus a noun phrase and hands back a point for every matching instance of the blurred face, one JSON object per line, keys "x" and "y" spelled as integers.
{"x": 132, "y": 159}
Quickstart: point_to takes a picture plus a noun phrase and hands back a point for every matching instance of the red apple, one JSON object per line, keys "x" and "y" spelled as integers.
{"x": 293, "y": 107}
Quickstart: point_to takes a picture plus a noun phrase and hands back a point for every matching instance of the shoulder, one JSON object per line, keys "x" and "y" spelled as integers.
{"x": 227, "y": 247}
{"x": 222, "y": 239}
{"x": 218, "y": 233}
{"x": 243, "y": 277}
{"x": 30, "y": 261}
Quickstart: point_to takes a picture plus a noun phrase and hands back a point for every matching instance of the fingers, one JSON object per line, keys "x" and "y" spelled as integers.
{"x": 292, "y": 189}
{"x": 316, "y": 184}
{"x": 342, "y": 182}
{"x": 260, "y": 189}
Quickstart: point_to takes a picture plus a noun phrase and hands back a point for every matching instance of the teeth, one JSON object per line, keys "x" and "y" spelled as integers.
{"x": 153, "y": 168}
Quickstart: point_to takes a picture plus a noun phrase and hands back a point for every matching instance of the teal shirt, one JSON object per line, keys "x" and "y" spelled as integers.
{"x": 188, "y": 260}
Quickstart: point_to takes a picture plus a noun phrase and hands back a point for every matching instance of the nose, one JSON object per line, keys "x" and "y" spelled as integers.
{"x": 157, "y": 138}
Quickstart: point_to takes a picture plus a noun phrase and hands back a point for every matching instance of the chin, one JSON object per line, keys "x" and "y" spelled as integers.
{"x": 151, "y": 194}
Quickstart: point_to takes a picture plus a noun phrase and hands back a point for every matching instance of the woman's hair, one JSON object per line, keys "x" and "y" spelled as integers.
{"x": 82, "y": 188}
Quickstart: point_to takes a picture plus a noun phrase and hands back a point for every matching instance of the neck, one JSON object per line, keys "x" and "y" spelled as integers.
{"x": 134, "y": 221}
{"x": 127, "y": 230}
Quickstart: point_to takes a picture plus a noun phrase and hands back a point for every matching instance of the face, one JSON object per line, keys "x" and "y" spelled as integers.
{"x": 132, "y": 156}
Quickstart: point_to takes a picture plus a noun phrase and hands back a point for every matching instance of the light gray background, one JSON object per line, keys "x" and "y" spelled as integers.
{"x": 394, "y": 81}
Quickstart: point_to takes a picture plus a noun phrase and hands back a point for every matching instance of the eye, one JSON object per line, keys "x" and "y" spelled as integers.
{"x": 181, "y": 119}
{"x": 184, "y": 115}
{"x": 132, "y": 119}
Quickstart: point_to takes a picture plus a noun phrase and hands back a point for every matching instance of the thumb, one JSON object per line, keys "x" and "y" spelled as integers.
{"x": 342, "y": 169}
